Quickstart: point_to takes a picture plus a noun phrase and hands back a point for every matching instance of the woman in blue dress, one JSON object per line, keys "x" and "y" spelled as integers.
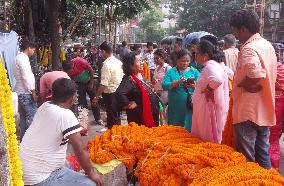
{"x": 180, "y": 82}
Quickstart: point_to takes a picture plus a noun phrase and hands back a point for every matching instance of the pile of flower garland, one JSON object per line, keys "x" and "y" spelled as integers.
{"x": 145, "y": 71}
{"x": 167, "y": 155}
{"x": 228, "y": 135}
{"x": 10, "y": 127}
{"x": 243, "y": 174}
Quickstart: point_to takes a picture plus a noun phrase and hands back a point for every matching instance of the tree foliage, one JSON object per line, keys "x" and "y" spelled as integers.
{"x": 84, "y": 26}
{"x": 123, "y": 8}
{"x": 208, "y": 15}
{"x": 150, "y": 28}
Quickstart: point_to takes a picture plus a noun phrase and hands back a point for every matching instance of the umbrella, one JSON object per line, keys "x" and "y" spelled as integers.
{"x": 170, "y": 40}
{"x": 200, "y": 35}
{"x": 166, "y": 40}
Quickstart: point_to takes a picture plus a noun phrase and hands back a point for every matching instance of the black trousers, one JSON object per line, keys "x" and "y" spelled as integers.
{"x": 112, "y": 110}
{"x": 82, "y": 91}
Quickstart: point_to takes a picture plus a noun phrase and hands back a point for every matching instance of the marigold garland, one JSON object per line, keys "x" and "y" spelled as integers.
{"x": 169, "y": 155}
{"x": 228, "y": 134}
{"x": 10, "y": 127}
{"x": 146, "y": 71}
{"x": 242, "y": 174}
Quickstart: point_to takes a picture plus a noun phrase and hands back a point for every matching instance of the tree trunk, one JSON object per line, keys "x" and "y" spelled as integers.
{"x": 71, "y": 28}
{"x": 110, "y": 17}
{"x": 29, "y": 21}
{"x": 115, "y": 30}
{"x": 105, "y": 24}
{"x": 100, "y": 26}
{"x": 63, "y": 7}
{"x": 53, "y": 10}
{"x": 95, "y": 23}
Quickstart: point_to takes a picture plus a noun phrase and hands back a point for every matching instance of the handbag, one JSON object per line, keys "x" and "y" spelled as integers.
{"x": 189, "y": 104}
{"x": 189, "y": 98}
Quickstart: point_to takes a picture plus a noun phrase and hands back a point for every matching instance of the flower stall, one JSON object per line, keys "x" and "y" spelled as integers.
{"x": 169, "y": 155}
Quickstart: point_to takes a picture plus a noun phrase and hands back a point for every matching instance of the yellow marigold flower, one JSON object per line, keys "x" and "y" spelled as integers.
{"x": 10, "y": 128}
{"x": 170, "y": 155}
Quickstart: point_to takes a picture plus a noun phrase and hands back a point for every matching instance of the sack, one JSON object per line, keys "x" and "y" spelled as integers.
{"x": 84, "y": 77}
{"x": 189, "y": 102}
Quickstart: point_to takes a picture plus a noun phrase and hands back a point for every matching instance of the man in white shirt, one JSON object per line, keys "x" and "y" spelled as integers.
{"x": 149, "y": 56}
{"x": 111, "y": 77}
{"x": 43, "y": 148}
{"x": 231, "y": 52}
{"x": 25, "y": 85}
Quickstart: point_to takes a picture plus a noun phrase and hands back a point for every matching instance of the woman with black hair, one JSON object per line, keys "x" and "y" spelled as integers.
{"x": 135, "y": 95}
{"x": 192, "y": 48}
{"x": 211, "y": 95}
{"x": 159, "y": 74}
{"x": 179, "y": 82}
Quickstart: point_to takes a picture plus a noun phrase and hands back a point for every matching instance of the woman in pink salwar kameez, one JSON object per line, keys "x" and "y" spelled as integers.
{"x": 211, "y": 95}
{"x": 276, "y": 130}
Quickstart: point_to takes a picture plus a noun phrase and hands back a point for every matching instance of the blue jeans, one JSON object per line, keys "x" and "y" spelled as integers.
{"x": 253, "y": 142}
{"x": 66, "y": 177}
{"x": 27, "y": 110}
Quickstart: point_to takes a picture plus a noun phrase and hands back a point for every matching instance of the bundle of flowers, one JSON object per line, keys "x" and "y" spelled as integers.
{"x": 167, "y": 155}
{"x": 7, "y": 111}
{"x": 242, "y": 174}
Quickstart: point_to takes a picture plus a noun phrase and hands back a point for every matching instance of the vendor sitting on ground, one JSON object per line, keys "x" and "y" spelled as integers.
{"x": 44, "y": 145}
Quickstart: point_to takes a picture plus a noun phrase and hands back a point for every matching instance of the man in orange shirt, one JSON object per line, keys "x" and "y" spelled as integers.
{"x": 253, "y": 89}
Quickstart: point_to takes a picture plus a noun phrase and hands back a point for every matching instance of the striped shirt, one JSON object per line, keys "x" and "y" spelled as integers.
{"x": 44, "y": 145}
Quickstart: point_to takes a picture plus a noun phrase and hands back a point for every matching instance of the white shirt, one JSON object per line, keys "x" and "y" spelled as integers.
{"x": 231, "y": 55}
{"x": 229, "y": 71}
{"x": 112, "y": 74}
{"x": 150, "y": 59}
{"x": 44, "y": 145}
{"x": 25, "y": 80}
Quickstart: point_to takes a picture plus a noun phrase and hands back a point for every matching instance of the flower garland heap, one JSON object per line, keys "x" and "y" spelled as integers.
{"x": 169, "y": 155}
{"x": 242, "y": 174}
{"x": 10, "y": 127}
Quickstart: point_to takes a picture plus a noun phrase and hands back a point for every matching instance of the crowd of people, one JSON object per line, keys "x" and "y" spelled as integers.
{"x": 191, "y": 87}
